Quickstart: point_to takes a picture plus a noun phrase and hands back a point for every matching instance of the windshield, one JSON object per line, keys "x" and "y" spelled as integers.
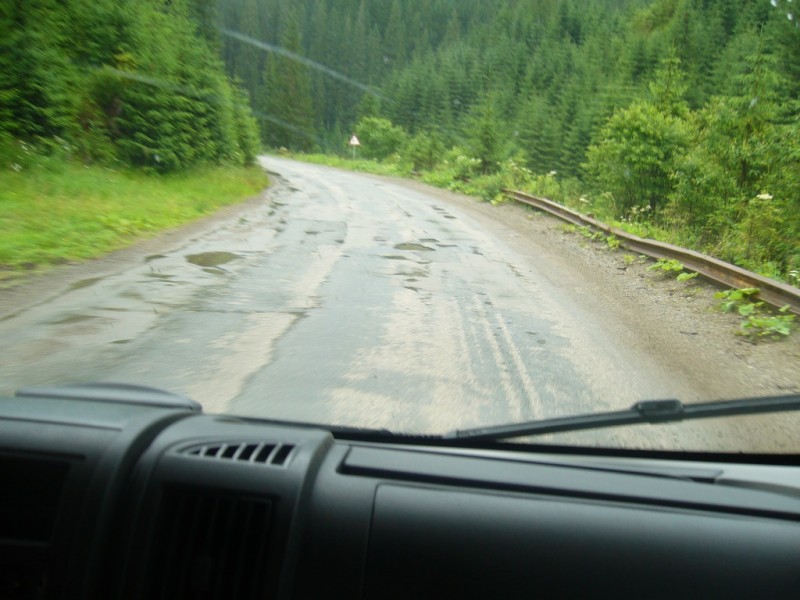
{"x": 320, "y": 211}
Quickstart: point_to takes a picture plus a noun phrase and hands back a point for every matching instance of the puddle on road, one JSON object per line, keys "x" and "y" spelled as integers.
{"x": 211, "y": 259}
{"x": 414, "y": 273}
{"x": 147, "y": 259}
{"x": 395, "y": 257}
{"x": 84, "y": 283}
{"x": 159, "y": 275}
{"x": 417, "y": 247}
{"x": 71, "y": 319}
{"x": 428, "y": 240}
{"x": 131, "y": 295}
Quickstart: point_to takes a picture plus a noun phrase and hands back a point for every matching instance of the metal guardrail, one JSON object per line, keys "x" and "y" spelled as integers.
{"x": 776, "y": 293}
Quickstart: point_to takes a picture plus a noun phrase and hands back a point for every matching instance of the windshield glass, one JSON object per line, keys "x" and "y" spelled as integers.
{"x": 414, "y": 216}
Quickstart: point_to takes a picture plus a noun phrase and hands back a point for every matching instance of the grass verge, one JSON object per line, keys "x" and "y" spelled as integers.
{"x": 54, "y": 211}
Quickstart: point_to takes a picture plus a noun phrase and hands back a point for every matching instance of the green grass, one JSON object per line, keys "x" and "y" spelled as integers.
{"x": 54, "y": 211}
{"x": 358, "y": 164}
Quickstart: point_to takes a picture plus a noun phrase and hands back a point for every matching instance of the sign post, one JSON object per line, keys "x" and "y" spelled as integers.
{"x": 354, "y": 143}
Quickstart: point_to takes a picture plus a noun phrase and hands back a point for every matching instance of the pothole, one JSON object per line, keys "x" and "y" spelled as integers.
{"x": 83, "y": 283}
{"x": 70, "y": 319}
{"x": 211, "y": 259}
{"x": 411, "y": 246}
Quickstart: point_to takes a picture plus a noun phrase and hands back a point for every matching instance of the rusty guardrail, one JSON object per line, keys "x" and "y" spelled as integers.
{"x": 776, "y": 293}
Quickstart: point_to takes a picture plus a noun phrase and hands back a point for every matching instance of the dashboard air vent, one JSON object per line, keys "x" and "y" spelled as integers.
{"x": 211, "y": 544}
{"x": 31, "y": 495}
{"x": 32, "y": 490}
{"x": 264, "y": 453}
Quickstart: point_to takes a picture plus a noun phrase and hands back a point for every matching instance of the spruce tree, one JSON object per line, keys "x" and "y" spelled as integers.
{"x": 287, "y": 94}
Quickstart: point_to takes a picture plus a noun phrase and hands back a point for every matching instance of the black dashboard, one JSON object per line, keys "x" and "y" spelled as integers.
{"x": 124, "y": 492}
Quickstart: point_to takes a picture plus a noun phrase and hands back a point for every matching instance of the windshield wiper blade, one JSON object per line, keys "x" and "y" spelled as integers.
{"x": 647, "y": 411}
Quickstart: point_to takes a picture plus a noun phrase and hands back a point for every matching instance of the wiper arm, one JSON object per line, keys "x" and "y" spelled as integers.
{"x": 648, "y": 411}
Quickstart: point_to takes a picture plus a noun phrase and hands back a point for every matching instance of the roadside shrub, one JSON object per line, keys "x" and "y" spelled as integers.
{"x": 379, "y": 137}
{"x": 424, "y": 150}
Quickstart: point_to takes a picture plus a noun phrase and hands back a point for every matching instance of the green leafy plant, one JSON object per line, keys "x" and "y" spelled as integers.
{"x": 686, "y": 276}
{"x": 759, "y": 321}
{"x": 768, "y": 325}
{"x": 672, "y": 266}
{"x": 737, "y": 299}
{"x": 667, "y": 265}
{"x": 612, "y": 242}
{"x": 593, "y": 236}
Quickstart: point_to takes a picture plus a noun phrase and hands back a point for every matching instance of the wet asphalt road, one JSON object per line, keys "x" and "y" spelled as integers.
{"x": 342, "y": 298}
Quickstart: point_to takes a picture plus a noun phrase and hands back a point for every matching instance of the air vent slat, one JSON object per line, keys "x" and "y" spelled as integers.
{"x": 281, "y": 455}
{"x": 264, "y": 453}
{"x": 210, "y": 544}
{"x": 187, "y": 539}
{"x": 247, "y": 451}
{"x": 240, "y": 552}
{"x": 260, "y": 543}
{"x": 171, "y": 532}
{"x": 227, "y": 546}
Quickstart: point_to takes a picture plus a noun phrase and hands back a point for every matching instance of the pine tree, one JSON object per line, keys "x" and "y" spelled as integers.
{"x": 395, "y": 37}
{"x": 287, "y": 94}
